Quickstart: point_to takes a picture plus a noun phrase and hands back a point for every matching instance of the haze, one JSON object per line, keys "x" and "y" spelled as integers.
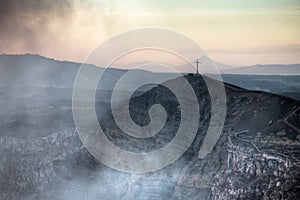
{"x": 233, "y": 32}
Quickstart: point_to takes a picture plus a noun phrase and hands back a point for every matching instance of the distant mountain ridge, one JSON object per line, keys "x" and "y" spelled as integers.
{"x": 35, "y": 71}
{"x": 39, "y": 63}
{"x": 273, "y": 69}
{"x": 32, "y": 70}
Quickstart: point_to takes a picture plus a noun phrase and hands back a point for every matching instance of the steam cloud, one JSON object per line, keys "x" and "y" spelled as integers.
{"x": 25, "y": 22}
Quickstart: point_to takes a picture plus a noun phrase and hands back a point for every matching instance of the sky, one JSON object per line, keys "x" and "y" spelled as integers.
{"x": 234, "y": 32}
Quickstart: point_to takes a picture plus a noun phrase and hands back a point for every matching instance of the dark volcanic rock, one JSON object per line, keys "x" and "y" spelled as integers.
{"x": 262, "y": 163}
{"x": 254, "y": 173}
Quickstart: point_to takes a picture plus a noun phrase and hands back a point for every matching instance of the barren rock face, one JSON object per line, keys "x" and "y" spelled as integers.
{"x": 42, "y": 156}
{"x": 254, "y": 173}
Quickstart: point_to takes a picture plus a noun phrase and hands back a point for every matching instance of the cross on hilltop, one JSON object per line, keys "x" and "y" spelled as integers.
{"x": 197, "y": 62}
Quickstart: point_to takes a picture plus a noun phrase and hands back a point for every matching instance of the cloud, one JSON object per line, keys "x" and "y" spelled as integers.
{"x": 25, "y": 23}
{"x": 56, "y": 28}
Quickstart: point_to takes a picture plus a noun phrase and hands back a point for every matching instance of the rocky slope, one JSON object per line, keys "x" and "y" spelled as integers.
{"x": 256, "y": 173}
{"x": 46, "y": 159}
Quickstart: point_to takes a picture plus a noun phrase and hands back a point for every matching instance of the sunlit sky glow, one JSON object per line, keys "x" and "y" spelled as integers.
{"x": 234, "y": 32}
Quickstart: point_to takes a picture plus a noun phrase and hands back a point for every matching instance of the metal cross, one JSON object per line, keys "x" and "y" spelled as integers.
{"x": 197, "y": 62}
